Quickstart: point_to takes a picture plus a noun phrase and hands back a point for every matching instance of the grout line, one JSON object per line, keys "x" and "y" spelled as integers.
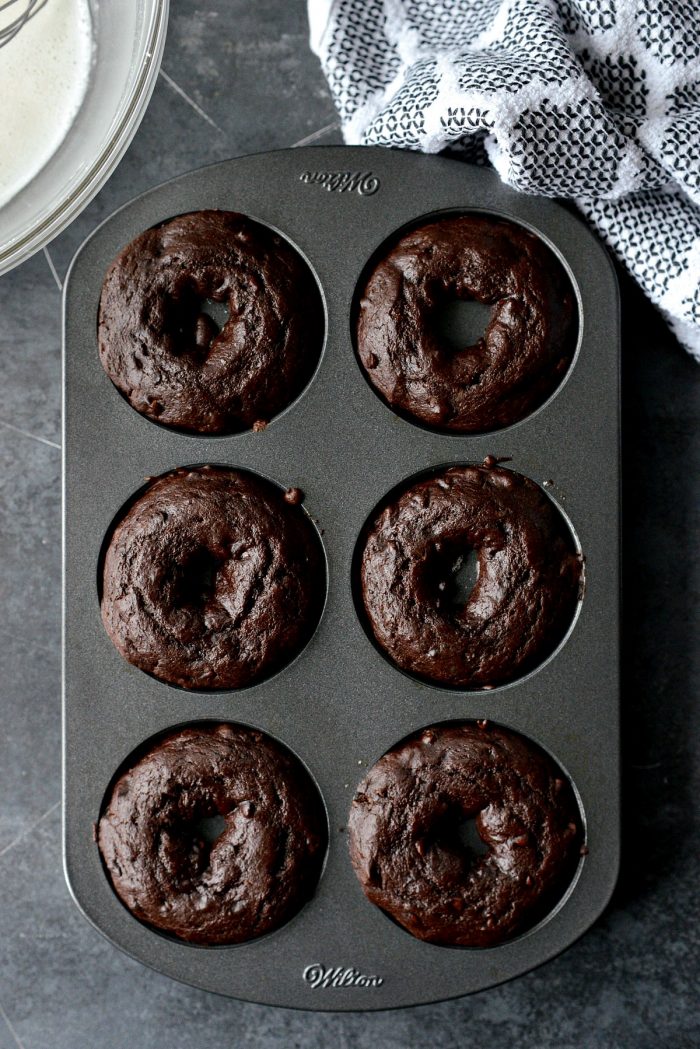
{"x": 190, "y": 101}
{"x": 10, "y": 1027}
{"x": 28, "y": 830}
{"x": 26, "y": 433}
{"x": 317, "y": 134}
{"x": 53, "y": 269}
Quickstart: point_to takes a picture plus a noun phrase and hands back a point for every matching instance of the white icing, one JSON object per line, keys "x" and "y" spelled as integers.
{"x": 44, "y": 75}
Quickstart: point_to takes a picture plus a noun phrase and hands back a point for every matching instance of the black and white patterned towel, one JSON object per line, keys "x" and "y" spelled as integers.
{"x": 595, "y": 100}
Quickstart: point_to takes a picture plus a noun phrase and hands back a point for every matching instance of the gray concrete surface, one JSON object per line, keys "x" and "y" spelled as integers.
{"x": 238, "y": 77}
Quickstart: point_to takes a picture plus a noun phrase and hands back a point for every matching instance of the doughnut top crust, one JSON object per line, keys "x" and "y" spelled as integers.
{"x": 528, "y": 343}
{"x": 525, "y": 595}
{"x": 260, "y": 869}
{"x": 212, "y": 579}
{"x": 167, "y": 356}
{"x": 407, "y": 843}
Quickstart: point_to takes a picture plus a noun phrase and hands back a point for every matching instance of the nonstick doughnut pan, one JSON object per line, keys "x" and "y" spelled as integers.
{"x": 340, "y": 705}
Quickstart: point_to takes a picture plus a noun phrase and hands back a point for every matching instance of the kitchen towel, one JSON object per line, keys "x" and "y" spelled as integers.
{"x": 597, "y": 101}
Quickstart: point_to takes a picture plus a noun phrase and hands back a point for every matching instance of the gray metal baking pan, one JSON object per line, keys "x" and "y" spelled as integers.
{"x": 340, "y": 705}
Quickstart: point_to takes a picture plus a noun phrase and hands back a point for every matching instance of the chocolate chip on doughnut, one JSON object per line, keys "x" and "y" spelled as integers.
{"x": 411, "y": 854}
{"x": 525, "y": 596}
{"x": 509, "y": 372}
{"x": 267, "y": 852}
{"x": 212, "y": 579}
{"x": 168, "y": 357}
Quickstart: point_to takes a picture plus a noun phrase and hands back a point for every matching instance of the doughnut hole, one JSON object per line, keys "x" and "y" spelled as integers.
{"x": 452, "y": 844}
{"x": 196, "y": 317}
{"x": 464, "y": 575}
{"x": 194, "y": 840}
{"x": 212, "y": 318}
{"x": 217, "y": 311}
{"x": 195, "y": 582}
{"x": 469, "y": 837}
{"x": 449, "y": 574}
{"x": 209, "y": 828}
{"x": 187, "y": 847}
{"x": 462, "y": 323}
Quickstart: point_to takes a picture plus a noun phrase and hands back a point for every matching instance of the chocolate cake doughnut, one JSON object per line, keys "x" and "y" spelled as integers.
{"x": 168, "y": 357}
{"x": 263, "y": 863}
{"x": 411, "y": 854}
{"x": 509, "y": 372}
{"x": 525, "y": 596}
{"x": 212, "y": 579}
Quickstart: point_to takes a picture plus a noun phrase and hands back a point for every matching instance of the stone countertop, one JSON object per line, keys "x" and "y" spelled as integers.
{"x": 238, "y": 78}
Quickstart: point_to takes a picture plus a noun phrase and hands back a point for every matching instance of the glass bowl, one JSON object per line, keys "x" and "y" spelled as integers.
{"x": 129, "y": 37}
